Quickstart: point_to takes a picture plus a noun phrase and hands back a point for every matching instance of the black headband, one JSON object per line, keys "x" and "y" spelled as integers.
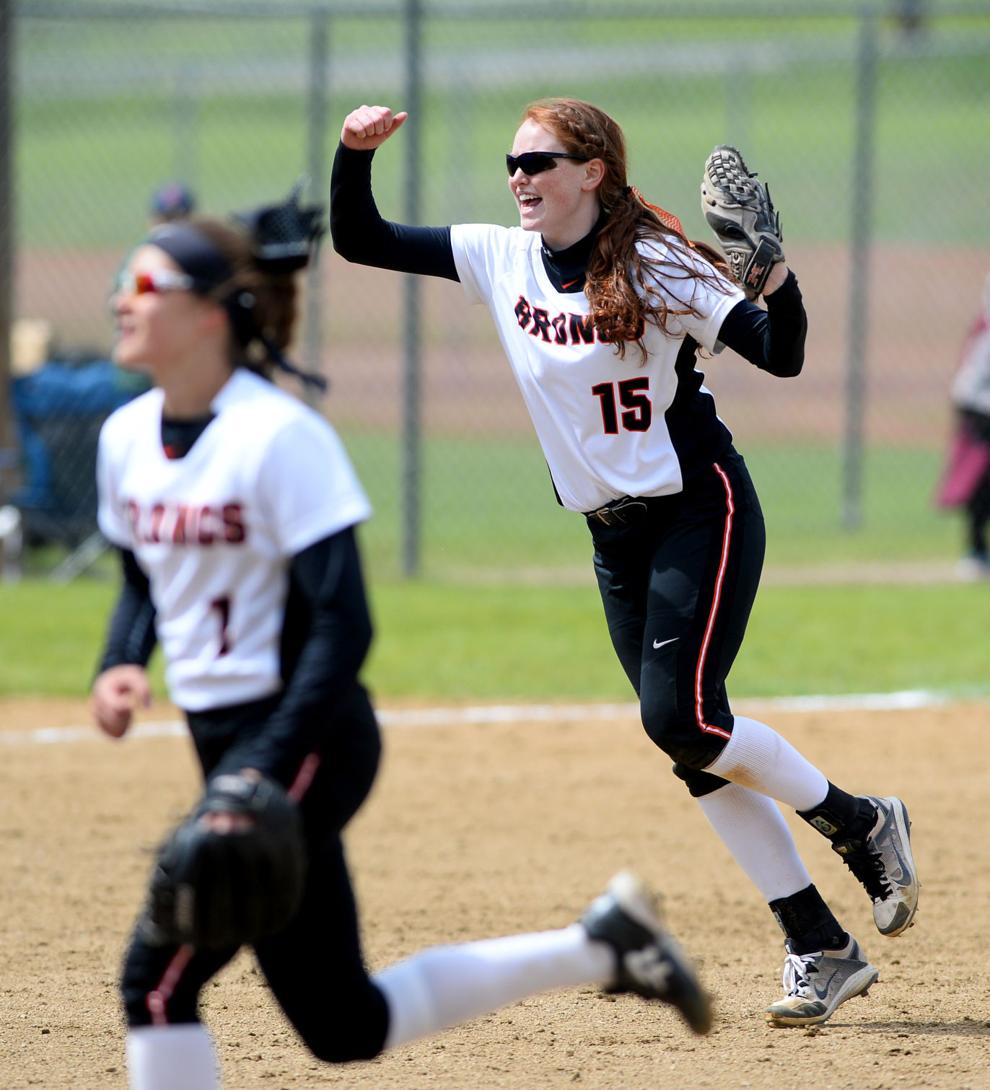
{"x": 194, "y": 253}
{"x": 283, "y": 238}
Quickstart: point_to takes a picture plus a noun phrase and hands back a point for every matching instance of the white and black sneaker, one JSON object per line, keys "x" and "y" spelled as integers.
{"x": 884, "y": 863}
{"x": 815, "y": 984}
{"x": 649, "y": 962}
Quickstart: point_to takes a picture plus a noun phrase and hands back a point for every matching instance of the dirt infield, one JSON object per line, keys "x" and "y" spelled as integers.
{"x": 475, "y": 831}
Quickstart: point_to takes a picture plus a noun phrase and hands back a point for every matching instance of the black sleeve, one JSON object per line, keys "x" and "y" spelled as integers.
{"x": 361, "y": 235}
{"x": 773, "y": 339}
{"x": 328, "y": 609}
{"x": 131, "y": 636}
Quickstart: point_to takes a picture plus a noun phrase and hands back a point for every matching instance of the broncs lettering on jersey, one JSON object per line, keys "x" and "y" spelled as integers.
{"x": 187, "y": 523}
{"x": 561, "y": 328}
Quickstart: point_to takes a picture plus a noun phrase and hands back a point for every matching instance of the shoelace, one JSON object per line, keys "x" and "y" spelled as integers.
{"x": 797, "y": 972}
{"x": 866, "y": 863}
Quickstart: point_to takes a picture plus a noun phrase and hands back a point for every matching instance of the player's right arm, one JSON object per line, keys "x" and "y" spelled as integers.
{"x": 117, "y": 694}
{"x": 359, "y": 232}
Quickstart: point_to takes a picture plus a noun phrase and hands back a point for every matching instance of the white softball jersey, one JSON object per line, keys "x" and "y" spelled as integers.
{"x": 215, "y": 530}
{"x": 971, "y": 385}
{"x": 600, "y": 420}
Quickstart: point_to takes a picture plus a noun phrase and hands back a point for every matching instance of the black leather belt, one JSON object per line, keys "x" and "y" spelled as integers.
{"x": 620, "y": 512}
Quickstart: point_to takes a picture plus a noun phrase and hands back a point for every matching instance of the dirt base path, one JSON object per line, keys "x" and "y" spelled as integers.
{"x": 475, "y": 831}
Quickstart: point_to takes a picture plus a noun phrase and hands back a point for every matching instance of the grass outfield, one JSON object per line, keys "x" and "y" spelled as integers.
{"x": 512, "y": 526}
{"x": 447, "y": 642}
{"x": 468, "y": 629}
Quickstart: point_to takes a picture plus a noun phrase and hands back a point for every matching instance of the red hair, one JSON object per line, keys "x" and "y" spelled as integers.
{"x": 620, "y": 278}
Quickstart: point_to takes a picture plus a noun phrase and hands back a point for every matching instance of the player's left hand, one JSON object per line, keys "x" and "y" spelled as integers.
{"x": 739, "y": 211}
{"x": 778, "y": 274}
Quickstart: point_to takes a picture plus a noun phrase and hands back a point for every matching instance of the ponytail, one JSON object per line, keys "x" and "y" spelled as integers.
{"x": 248, "y": 266}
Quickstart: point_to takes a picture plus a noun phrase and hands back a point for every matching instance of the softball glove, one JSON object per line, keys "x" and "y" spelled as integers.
{"x": 739, "y": 211}
{"x": 214, "y": 889}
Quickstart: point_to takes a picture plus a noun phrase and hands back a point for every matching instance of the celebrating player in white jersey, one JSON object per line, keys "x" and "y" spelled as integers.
{"x": 602, "y": 305}
{"x": 234, "y": 507}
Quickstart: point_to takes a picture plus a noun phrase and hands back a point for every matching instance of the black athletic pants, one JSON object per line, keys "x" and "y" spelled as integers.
{"x": 978, "y": 505}
{"x": 314, "y": 966}
{"x": 678, "y": 576}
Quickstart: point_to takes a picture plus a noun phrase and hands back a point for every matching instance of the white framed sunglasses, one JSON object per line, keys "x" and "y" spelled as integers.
{"x": 154, "y": 282}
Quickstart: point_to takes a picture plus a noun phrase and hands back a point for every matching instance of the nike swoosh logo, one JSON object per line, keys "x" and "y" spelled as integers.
{"x": 822, "y": 993}
{"x": 649, "y": 967}
{"x": 657, "y": 644}
{"x": 570, "y": 283}
{"x": 900, "y": 873}
{"x": 898, "y": 870}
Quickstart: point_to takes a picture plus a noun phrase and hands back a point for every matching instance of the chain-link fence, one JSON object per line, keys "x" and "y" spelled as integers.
{"x": 872, "y": 124}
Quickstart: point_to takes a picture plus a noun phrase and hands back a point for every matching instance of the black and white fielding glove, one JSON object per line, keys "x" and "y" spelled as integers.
{"x": 739, "y": 211}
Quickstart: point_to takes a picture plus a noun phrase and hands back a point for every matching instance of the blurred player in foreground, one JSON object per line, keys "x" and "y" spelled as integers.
{"x": 601, "y": 305}
{"x": 235, "y": 507}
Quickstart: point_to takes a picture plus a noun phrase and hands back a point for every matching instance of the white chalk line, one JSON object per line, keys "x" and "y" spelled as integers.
{"x": 480, "y": 715}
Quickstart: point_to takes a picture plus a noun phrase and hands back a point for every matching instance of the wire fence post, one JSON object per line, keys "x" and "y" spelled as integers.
{"x": 317, "y": 113}
{"x": 411, "y": 333}
{"x": 6, "y": 219}
{"x": 738, "y": 100}
{"x": 185, "y": 123}
{"x": 859, "y": 275}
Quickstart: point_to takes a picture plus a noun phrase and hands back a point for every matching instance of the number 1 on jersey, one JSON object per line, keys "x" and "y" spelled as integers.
{"x": 222, "y": 606}
{"x": 639, "y": 409}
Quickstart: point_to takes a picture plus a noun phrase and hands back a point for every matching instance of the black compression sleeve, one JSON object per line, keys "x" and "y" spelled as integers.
{"x": 773, "y": 339}
{"x": 361, "y": 235}
{"x": 327, "y": 602}
{"x": 131, "y": 636}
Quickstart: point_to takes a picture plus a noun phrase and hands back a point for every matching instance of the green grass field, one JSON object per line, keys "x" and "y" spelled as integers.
{"x": 511, "y": 525}
{"x": 442, "y": 641}
{"x": 507, "y": 607}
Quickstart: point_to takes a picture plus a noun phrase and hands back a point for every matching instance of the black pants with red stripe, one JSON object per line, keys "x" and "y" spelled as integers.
{"x": 314, "y": 967}
{"x": 678, "y": 578}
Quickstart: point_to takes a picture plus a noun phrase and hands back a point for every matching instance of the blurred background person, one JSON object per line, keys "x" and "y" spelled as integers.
{"x": 965, "y": 482}
{"x": 60, "y": 397}
{"x": 171, "y": 202}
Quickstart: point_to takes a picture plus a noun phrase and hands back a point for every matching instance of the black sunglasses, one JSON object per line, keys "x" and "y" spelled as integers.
{"x": 536, "y": 162}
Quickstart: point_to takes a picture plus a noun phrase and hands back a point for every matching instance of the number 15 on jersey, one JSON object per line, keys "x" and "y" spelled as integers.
{"x": 631, "y": 396}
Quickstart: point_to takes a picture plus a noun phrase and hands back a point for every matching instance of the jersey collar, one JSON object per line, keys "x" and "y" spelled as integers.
{"x": 566, "y": 268}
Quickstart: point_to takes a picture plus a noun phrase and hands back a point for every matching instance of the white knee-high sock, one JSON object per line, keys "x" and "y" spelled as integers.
{"x": 179, "y": 1057}
{"x": 446, "y": 985}
{"x": 757, "y": 756}
{"x": 754, "y": 830}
